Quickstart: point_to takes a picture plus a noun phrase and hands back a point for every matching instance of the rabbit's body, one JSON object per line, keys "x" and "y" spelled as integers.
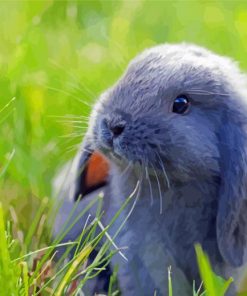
{"x": 189, "y": 168}
{"x": 156, "y": 241}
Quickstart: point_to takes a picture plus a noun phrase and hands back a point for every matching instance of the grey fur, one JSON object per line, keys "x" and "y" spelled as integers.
{"x": 196, "y": 166}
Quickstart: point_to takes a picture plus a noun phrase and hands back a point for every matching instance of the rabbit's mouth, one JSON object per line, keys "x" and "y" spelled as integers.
{"x": 110, "y": 146}
{"x": 123, "y": 143}
{"x": 112, "y": 153}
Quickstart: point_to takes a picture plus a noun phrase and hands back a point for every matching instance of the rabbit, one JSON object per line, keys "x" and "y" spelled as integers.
{"x": 171, "y": 134}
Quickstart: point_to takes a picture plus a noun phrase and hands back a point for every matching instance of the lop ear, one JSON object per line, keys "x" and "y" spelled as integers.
{"x": 78, "y": 179}
{"x": 92, "y": 172}
{"x": 232, "y": 206}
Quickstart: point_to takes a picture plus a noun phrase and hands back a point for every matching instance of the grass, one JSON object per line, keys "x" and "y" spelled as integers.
{"x": 17, "y": 278}
{"x": 44, "y": 279}
{"x": 56, "y": 57}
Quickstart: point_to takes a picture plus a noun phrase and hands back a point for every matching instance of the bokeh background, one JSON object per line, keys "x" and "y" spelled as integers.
{"x": 58, "y": 56}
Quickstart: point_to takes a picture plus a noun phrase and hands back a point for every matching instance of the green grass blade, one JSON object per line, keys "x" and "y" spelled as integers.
{"x": 213, "y": 284}
{"x": 170, "y": 282}
{"x": 7, "y": 274}
{"x": 25, "y": 278}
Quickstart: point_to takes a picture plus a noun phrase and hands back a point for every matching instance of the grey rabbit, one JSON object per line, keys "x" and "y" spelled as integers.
{"x": 173, "y": 131}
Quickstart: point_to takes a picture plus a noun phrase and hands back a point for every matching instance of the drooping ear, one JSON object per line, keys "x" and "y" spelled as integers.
{"x": 92, "y": 172}
{"x": 86, "y": 172}
{"x": 232, "y": 204}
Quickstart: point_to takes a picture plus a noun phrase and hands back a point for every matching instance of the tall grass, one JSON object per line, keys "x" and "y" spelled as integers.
{"x": 16, "y": 277}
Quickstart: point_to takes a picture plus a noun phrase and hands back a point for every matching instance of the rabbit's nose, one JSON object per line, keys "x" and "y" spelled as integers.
{"x": 110, "y": 130}
{"x": 117, "y": 129}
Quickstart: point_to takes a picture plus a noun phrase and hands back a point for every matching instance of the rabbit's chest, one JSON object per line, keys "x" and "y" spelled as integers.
{"x": 161, "y": 229}
{"x": 174, "y": 217}
{"x": 157, "y": 233}
{"x": 146, "y": 245}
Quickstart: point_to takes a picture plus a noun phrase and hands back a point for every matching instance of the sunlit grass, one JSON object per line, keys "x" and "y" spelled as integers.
{"x": 35, "y": 273}
{"x": 16, "y": 277}
{"x": 213, "y": 284}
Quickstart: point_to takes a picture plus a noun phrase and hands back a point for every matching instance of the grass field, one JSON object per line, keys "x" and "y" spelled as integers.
{"x": 55, "y": 59}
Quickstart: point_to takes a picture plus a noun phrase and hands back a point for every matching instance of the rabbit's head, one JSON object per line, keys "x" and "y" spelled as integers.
{"x": 182, "y": 109}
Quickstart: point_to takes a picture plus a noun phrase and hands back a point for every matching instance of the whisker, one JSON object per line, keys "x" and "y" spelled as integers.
{"x": 126, "y": 169}
{"x": 84, "y": 125}
{"x": 206, "y": 91}
{"x": 78, "y": 88}
{"x": 75, "y": 78}
{"x": 163, "y": 169}
{"x": 78, "y": 147}
{"x": 70, "y": 144}
{"x": 69, "y": 116}
{"x": 80, "y": 127}
{"x": 136, "y": 199}
{"x": 136, "y": 190}
{"x": 158, "y": 182}
{"x": 68, "y": 94}
{"x": 73, "y": 146}
{"x": 71, "y": 121}
{"x": 85, "y": 150}
{"x": 73, "y": 135}
{"x": 201, "y": 91}
{"x": 150, "y": 186}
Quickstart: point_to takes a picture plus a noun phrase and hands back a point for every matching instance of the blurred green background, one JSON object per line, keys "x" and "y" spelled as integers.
{"x": 55, "y": 53}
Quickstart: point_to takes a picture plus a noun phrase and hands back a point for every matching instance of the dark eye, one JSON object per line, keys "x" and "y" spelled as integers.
{"x": 181, "y": 104}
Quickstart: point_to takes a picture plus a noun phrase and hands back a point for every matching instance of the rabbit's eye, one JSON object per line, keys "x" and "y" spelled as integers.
{"x": 181, "y": 104}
